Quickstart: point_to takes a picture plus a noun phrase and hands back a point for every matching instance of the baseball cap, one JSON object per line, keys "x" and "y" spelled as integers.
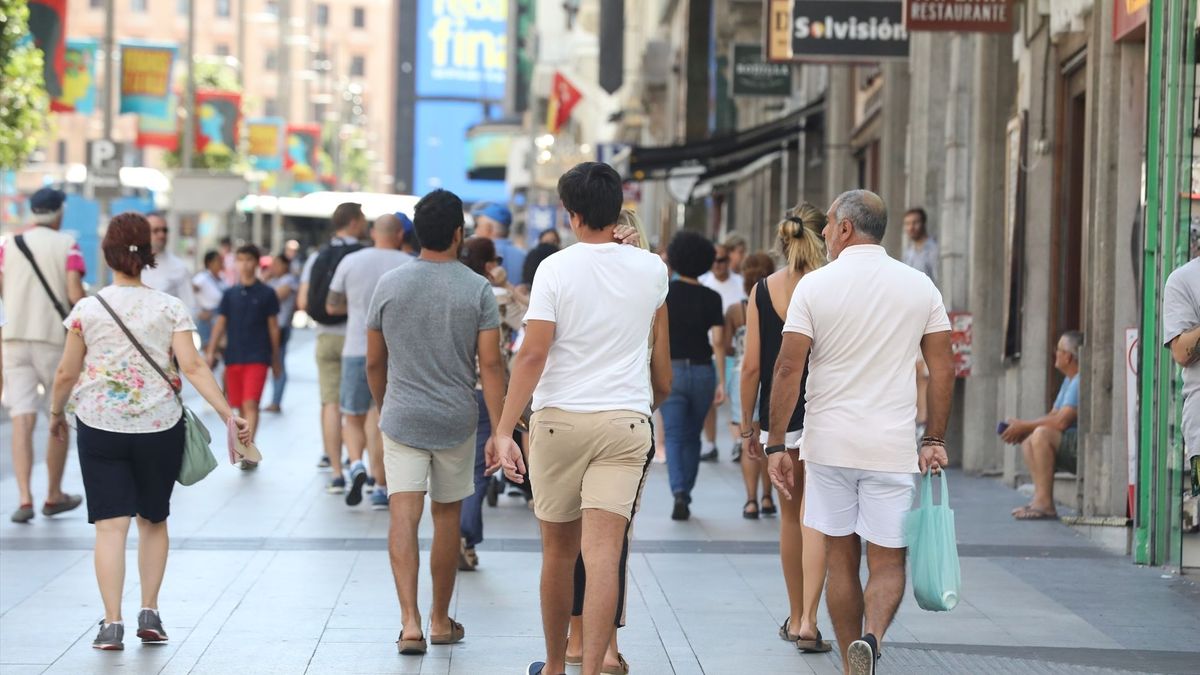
{"x": 47, "y": 200}
{"x": 405, "y": 221}
{"x": 497, "y": 212}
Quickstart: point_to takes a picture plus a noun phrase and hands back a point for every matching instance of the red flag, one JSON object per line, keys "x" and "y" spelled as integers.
{"x": 563, "y": 99}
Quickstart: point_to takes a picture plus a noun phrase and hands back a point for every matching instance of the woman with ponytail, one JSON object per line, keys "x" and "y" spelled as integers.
{"x": 801, "y": 549}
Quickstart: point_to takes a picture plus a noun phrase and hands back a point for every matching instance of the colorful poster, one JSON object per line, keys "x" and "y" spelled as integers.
{"x": 160, "y": 132}
{"x": 462, "y": 49}
{"x": 563, "y": 99}
{"x": 300, "y": 156}
{"x": 265, "y": 136}
{"x": 217, "y": 117}
{"x": 79, "y": 79}
{"x": 48, "y": 25}
{"x": 146, "y": 78}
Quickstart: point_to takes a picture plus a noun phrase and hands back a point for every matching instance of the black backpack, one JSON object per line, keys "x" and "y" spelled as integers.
{"x": 320, "y": 278}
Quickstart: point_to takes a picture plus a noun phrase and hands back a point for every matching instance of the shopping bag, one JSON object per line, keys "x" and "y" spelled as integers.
{"x": 933, "y": 550}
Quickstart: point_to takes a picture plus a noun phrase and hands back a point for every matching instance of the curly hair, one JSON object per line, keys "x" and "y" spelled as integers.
{"x": 690, "y": 254}
{"x": 756, "y": 267}
{"x": 800, "y": 237}
{"x": 127, "y": 244}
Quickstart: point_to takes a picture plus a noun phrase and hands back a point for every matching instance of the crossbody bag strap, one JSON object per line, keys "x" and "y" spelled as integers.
{"x": 138, "y": 345}
{"x": 19, "y": 240}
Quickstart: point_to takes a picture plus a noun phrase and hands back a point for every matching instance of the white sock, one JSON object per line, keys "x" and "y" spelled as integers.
{"x": 706, "y": 445}
{"x": 147, "y": 609}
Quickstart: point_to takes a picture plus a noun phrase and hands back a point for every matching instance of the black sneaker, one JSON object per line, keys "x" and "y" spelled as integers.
{"x": 358, "y": 478}
{"x": 710, "y": 456}
{"x": 150, "y": 627}
{"x": 681, "y": 510}
{"x": 737, "y": 455}
{"x": 323, "y": 463}
{"x": 110, "y": 638}
{"x": 862, "y": 654}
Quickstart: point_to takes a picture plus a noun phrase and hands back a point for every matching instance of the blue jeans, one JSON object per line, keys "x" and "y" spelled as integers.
{"x": 692, "y": 391}
{"x": 278, "y": 383}
{"x": 470, "y": 523}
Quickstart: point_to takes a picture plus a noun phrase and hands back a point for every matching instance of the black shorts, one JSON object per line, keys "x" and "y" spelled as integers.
{"x": 129, "y": 474}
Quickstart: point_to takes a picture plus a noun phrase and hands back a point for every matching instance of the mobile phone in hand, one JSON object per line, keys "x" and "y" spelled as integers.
{"x": 1001, "y": 428}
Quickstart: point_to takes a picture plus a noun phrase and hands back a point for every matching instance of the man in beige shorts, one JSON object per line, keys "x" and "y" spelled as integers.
{"x": 583, "y": 360}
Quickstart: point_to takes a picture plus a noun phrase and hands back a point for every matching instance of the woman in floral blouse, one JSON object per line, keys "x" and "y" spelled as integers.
{"x": 129, "y": 421}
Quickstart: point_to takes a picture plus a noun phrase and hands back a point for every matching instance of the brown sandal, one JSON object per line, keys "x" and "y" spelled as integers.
{"x": 621, "y": 669}
{"x": 813, "y": 646}
{"x": 411, "y": 647}
{"x": 457, "y": 633}
{"x": 1030, "y": 513}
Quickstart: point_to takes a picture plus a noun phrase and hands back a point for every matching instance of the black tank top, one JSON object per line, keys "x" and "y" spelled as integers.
{"x": 770, "y": 340}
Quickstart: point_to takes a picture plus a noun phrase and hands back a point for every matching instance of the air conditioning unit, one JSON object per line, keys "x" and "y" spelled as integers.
{"x": 656, "y": 64}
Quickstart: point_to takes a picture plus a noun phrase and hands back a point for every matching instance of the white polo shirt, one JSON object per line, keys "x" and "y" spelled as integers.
{"x": 866, "y": 314}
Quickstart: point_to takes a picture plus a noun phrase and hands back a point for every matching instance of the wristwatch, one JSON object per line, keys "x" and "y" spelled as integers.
{"x": 772, "y": 449}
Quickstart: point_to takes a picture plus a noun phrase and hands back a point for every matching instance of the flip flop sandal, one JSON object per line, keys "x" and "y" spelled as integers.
{"x": 457, "y": 633}
{"x": 785, "y": 634}
{"x": 412, "y": 647}
{"x": 814, "y": 646}
{"x": 1035, "y": 514}
{"x": 621, "y": 669}
{"x": 750, "y": 515}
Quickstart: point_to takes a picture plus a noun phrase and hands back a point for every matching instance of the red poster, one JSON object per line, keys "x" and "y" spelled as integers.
{"x": 48, "y": 25}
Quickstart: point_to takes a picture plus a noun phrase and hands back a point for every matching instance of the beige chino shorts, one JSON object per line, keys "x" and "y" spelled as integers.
{"x": 586, "y": 461}
{"x": 329, "y": 367}
{"x": 448, "y": 474}
{"x": 28, "y": 365}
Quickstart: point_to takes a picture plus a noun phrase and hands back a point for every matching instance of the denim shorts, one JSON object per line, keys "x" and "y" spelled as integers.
{"x": 355, "y": 395}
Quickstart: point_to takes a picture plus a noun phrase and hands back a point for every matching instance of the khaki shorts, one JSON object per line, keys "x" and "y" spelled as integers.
{"x": 329, "y": 367}
{"x": 586, "y": 461}
{"x": 28, "y": 364}
{"x": 448, "y": 475}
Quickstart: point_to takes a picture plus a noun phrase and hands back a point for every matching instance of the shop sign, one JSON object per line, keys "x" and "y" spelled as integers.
{"x": 753, "y": 76}
{"x": 962, "y": 333}
{"x": 968, "y": 16}
{"x": 1129, "y": 19}
{"x": 833, "y": 30}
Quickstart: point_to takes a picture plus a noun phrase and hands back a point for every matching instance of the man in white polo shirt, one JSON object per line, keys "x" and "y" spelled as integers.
{"x": 862, "y": 318}
{"x": 584, "y": 361}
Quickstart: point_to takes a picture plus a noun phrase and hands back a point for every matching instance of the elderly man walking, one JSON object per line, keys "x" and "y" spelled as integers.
{"x": 859, "y": 323}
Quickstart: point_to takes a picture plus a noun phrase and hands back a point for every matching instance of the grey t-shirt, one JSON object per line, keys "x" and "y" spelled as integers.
{"x": 431, "y": 314}
{"x": 926, "y": 258}
{"x": 356, "y": 277}
{"x": 1181, "y": 313}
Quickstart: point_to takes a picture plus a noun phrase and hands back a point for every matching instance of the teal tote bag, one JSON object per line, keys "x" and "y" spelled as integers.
{"x": 933, "y": 550}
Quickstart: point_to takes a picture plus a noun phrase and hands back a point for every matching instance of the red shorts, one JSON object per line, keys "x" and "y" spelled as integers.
{"x": 245, "y": 382}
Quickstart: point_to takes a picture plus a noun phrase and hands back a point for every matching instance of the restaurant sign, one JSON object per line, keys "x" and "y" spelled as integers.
{"x": 836, "y": 30}
{"x": 974, "y": 16}
{"x": 753, "y": 76}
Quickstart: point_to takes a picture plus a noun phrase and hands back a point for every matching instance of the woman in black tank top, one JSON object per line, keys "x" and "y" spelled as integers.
{"x": 801, "y": 550}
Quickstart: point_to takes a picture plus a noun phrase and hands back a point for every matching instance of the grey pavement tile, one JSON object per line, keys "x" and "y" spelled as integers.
{"x": 22, "y": 668}
{"x": 379, "y": 657}
{"x": 232, "y": 653}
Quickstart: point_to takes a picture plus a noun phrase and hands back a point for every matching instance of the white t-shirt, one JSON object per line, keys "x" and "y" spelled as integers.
{"x": 356, "y": 277}
{"x": 602, "y": 299}
{"x": 732, "y": 290}
{"x": 171, "y": 276}
{"x": 209, "y": 290}
{"x": 866, "y": 314}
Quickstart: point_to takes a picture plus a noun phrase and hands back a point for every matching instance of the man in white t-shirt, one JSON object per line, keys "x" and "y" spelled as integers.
{"x": 587, "y": 333}
{"x": 169, "y": 274}
{"x": 859, "y": 322}
{"x": 350, "y": 293}
{"x": 208, "y": 288}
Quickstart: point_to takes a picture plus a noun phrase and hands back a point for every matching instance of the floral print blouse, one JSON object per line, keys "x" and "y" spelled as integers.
{"x": 117, "y": 390}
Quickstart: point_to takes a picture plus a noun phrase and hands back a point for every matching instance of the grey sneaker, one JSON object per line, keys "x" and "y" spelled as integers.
{"x": 67, "y": 503}
{"x": 150, "y": 628}
{"x": 110, "y": 637}
{"x": 23, "y": 514}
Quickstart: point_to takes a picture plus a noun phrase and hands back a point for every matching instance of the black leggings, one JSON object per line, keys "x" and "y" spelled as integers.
{"x": 622, "y": 576}
{"x": 129, "y": 474}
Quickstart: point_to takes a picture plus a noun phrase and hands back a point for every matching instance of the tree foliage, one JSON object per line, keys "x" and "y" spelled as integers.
{"x": 24, "y": 104}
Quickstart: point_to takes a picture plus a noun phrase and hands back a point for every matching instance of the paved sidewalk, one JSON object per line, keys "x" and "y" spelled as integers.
{"x": 268, "y": 574}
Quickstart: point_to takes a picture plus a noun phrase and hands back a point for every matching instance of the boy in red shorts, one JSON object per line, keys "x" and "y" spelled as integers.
{"x": 247, "y": 313}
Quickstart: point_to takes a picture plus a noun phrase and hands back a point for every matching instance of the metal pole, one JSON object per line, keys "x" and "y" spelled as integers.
{"x": 189, "y": 105}
{"x": 241, "y": 45}
{"x": 110, "y": 64}
{"x": 283, "y": 71}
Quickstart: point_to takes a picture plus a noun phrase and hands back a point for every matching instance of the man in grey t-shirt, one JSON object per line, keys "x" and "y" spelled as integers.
{"x": 428, "y": 322}
{"x": 1181, "y": 334}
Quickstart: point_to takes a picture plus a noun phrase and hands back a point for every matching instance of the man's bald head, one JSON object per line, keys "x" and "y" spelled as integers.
{"x": 388, "y": 232}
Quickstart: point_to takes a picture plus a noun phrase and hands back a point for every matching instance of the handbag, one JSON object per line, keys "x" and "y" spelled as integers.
{"x": 933, "y": 550}
{"x": 198, "y": 459}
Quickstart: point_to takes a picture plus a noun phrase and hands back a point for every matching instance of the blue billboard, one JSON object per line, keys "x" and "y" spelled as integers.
{"x": 462, "y": 49}
{"x": 441, "y": 151}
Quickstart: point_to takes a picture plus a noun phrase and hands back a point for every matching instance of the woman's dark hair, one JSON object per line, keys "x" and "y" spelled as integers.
{"x": 690, "y": 254}
{"x": 210, "y": 256}
{"x": 535, "y": 258}
{"x": 476, "y": 253}
{"x": 436, "y": 218}
{"x": 592, "y": 191}
{"x": 755, "y": 267}
{"x": 127, "y": 244}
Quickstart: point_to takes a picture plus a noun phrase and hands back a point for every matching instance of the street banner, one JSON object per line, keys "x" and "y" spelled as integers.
{"x": 845, "y": 31}
{"x": 79, "y": 79}
{"x": 976, "y": 16}
{"x": 300, "y": 156}
{"x": 146, "y": 78}
{"x": 1129, "y": 19}
{"x": 753, "y": 76}
{"x": 265, "y": 136}
{"x": 217, "y": 116}
{"x": 160, "y": 132}
{"x": 48, "y": 26}
{"x": 563, "y": 99}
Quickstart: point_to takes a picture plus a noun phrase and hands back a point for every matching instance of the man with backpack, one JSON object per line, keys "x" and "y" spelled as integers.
{"x": 350, "y": 225}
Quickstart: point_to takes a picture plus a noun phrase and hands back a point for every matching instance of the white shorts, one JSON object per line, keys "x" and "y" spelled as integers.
{"x": 791, "y": 440}
{"x": 29, "y": 369}
{"x": 448, "y": 475}
{"x": 871, "y": 504}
